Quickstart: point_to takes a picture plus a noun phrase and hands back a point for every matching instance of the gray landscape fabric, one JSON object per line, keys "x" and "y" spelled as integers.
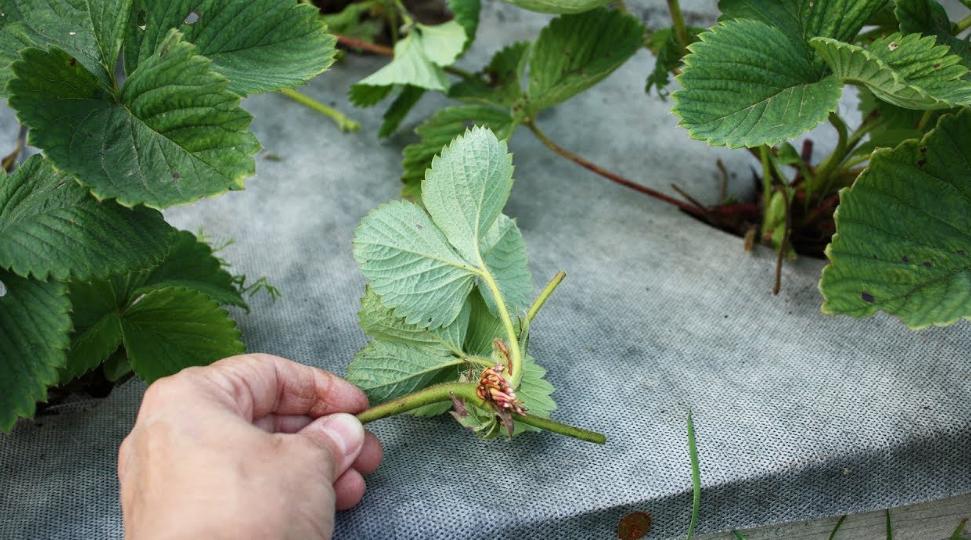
{"x": 798, "y": 415}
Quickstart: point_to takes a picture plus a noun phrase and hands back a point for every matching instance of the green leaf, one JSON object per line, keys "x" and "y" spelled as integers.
{"x": 466, "y": 13}
{"x": 439, "y": 129}
{"x": 165, "y": 330}
{"x": 90, "y": 31}
{"x": 909, "y": 71}
{"x": 399, "y": 108}
{"x": 51, "y": 227}
{"x": 368, "y": 96}
{"x": 504, "y": 253}
{"x": 353, "y": 21}
{"x": 173, "y": 135}
{"x": 500, "y": 82}
{"x": 418, "y": 60}
{"x": 259, "y": 45}
{"x": 411, "y": 266}
{"x": 387, "y": 370}
{"x": 838, "y": 19}
{"x": 13, "y": 38}
{"x": 929, "y": 17}
{"x": 575, "y": 52}
{"x": 191, "y": 264}
{"x": 380, "y": 323}
{"x": 746, "y": 84}
{"x": 559, "y": 6}
{"x": 34, "y": 325}
{"x": 466, "y": 189}
{"x": 668, "y": 54}
{"x": 902, "y": 242}
{"x": 785, "y": 15}
{"x": 97, "y": 307}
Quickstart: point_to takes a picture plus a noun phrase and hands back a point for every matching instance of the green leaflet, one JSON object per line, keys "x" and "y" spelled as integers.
{"x": 259, "y": 45}
{"x": 466, "y": 14}
{"x": 500, "y": 82}
{"x": 96, "y": 316}
{"x": 746, "y": 83}
{"x": 928, "y": 17}
{"x": 566, "y": 59}
{"x": 910, "y": 71}
{"x": 34, "y": 323}
{"x": 165, "y": 330}
{"x": 172, "y": 135}
{"x": 438, "y": 130}
{"x": 418, "y": 61}
{"x": 13, "y": 38}
{"x": 352, "y": 22}
{"x": 380, "y": 323}
{"x": 191, "y": 263}
{"x": 559, "y": 6}
{"x": 902, "y": 242}
{"x": 504, "y": 253}
{"x": 400, "y": 107}
{"x": 805, "y": 19}
{"x": 484, "y": 327}
{"x": 387, "y": 370}
{"x": 668, "y": 54}
{"x": 51, "y": 227}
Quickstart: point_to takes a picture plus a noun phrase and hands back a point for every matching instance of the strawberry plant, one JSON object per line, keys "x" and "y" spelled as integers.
{"x": 135, "y": 105}
{"x": 447, "y": 303}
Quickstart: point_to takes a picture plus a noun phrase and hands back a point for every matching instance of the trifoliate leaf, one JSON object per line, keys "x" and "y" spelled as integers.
{"x": 34, "y": 325}
{"x": 910, "y": 71}
{"x": 575, "y": 52}
{"x": 504, "y": 253}
{"x": 165, "y": 330}
{"x": 466, "y": 13}
{"x": 173, "y": 135}
{"x": 399, "y": 108}
{"x": 439, "y": 129}
{"x": 89, "y": 31}
{"x": 96, "y": 315}
{"x": 411, "y": 265}
{"x": 903, "y": 232}
{"x": 51, "y": 226}
{"x": 418, "y": 60}
{"x": 500, "y": 82}
{"x": 466, "y": 189}
{"x": 746, "y": 83}
{"x": 259, "y": 45}
{"x": 559, "y": 6}
{"x": 387, "y": 370}
{"x": 380, "y": 323}
{"x": 191, "y": 264}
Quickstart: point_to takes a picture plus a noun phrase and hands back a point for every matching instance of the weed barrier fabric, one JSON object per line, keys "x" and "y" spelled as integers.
{"x": 798, "y": 415}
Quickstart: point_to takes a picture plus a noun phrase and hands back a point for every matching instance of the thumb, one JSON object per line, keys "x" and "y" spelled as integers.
{"x": 340, "y": 435}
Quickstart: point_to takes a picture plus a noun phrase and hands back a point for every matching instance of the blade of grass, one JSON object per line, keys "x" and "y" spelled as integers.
{"x": 839, "y": 524}
{"x": 958, "y": 533}
{"x": 889, "y": 526}
{"x": 695, "y": 478}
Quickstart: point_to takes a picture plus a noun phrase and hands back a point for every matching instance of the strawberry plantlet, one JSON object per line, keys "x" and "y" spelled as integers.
{"x": 135, "y": 105}
{"x": 447, "y": 305}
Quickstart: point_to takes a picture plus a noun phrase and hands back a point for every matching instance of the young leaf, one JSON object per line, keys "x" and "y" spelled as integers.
{"x": 34, "y": 324}
{"x": 746, "y": 83}
{"x": 559, "y": 6}
{"x": 96, "y": 316}
{"x": 902, "y": 242}
{"x": 910, "y": 71}
{"x": 575, "y": 52}
{"x": 411, "y": 266}
{"x": 439, "y": 129}
{"x": 500, "y": 82}
{"x": 259, "y": 45}
{"x": 466, "y": 189}
{"x": 399, "y": 108}
{"x": 668, "y": 54}
{"x": 380, "y": 323}
{"x": 173, "y": 134}
{"x": 484, "y": 327}
{"x": 418, "y": 60}
{"x": 386, "y": 370}
{"x": 51, "y": 227}
{"x": 165, "y": 330}
{"x": 466, "y": 13}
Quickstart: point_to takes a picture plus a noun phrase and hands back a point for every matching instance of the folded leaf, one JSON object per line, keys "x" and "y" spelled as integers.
{"x": 903, "y": 232}
{"x": 910, "y": 71}
{"x": 34, "y": 324}
{"x": 559, "y": 6}
{"x": 575, "y": 52}
{"x": 387, "y": 370}
{"x": 51, "y": 226}
{"x": 174, "y": 134}
{"x": 166, "y": 330}
{"x": 259, "y": 45}
{"x": 746, "y": 83}
{"x": 466, "y": 189}
{"x": 418, "y": 60}
{"x": 484, "y": 327}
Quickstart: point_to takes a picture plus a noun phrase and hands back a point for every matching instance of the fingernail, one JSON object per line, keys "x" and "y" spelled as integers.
{"x": 346, "y": 430}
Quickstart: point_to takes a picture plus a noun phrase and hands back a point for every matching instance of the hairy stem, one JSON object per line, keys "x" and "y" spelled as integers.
{"x": 515, "y": 353}
{"x": 613, "y": 177}
{"x": 343, "y": 122}
{"x": 432, "y": 394}
{"x": 680, "y": 30}
{"x": 544, "y": 295}
{"x": 563, "y": 429}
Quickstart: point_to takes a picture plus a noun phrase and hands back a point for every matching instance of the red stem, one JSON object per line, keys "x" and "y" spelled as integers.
{"x": 355, "y": 43}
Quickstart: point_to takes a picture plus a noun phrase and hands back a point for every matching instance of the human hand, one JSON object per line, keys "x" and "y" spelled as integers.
{"x": 253, "y": 446}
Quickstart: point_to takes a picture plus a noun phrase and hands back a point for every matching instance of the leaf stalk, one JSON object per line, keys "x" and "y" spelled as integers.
{"x": 544, "y": 295}
{"x": 345, "y": 123}
{"x": 515, "y": 352}
{"x": 680, "y": 30}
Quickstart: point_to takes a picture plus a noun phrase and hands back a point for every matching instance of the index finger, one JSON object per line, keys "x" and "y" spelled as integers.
{"x": 260, "y": 384}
